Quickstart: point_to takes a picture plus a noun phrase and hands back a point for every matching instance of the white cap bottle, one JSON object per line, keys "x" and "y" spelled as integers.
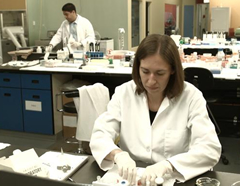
{"x": 39, "y": 49}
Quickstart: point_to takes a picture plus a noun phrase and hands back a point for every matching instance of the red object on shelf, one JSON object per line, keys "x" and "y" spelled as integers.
{"x": 231, "y": 32}
{"x": 199, "y": 1}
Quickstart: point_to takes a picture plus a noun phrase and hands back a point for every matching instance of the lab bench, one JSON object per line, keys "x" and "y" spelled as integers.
{"x": 90, "y": 171}
{"x": 24, "y": 88}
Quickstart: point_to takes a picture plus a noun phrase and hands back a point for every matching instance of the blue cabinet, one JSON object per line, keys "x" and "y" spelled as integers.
{"x": 37, "y": 111}
{"x": 26, "y": 103}
{"x": 36, "y": 81}
{"x": 10, "y": 80}
{"x": 11, "y": 117}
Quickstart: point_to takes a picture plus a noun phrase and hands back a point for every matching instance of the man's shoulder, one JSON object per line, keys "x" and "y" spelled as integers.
{"x": 81, "y": 18}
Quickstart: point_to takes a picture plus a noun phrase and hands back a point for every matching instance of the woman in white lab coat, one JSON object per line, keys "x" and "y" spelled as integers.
{"x": 160, "y": 119}
{"x": 85, "y": 33}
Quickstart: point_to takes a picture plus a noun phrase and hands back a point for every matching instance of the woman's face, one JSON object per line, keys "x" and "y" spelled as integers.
{"x": 154, "y": 74}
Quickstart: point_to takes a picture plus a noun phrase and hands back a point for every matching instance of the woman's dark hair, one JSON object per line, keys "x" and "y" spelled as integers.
{"x": 167, "y": 49}
{"x": 69, "y": 7}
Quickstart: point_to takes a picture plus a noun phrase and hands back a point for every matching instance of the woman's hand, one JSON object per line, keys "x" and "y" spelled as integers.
{"x": 157, "y": 170}
{"x": 126, "y": 167}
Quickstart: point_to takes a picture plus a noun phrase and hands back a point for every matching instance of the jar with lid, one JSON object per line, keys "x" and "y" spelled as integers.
{"x": 220, "y": 54}
{"x": 39, "y": 49}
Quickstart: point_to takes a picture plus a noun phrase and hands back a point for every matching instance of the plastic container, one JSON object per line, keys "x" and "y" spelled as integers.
{"x": 39, "y": 49}
{"x": 220, "y": 54}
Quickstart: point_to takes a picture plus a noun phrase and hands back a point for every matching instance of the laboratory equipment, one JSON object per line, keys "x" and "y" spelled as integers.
{"x": 124, "y": 55}
{"x": 121, "y": 33}
{"x": 94, "y": 51}
{"x": 13, "y": 32}
{"x": 206, "y": 181}
{"x": 39, "y": 49}
{"x": 64, "y": 54}
{"x": 95, "y": 55}
{"x": 220, "y": 55}
{"x": 106, "y": 44}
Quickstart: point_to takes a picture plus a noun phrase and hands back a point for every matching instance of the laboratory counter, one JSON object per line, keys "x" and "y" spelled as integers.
{"x": 224, "y": 73}
{"x": 38, "y": 86}
{"x": 90, "y": 170}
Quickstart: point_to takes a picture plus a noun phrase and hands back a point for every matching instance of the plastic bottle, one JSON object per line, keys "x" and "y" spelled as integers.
{"x": 220, "y": 54}
{"x": 39, "y": 49}
{"x": 181, "y": 53}
{"x": 235, "y": 54}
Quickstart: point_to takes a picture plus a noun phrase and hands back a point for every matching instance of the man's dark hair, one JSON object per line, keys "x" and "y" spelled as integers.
{"x": 69, "y": 7}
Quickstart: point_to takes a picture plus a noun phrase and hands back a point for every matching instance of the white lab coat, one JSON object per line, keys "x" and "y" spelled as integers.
{"x": 85, "y": 32}
{"x": 181, "y": 131}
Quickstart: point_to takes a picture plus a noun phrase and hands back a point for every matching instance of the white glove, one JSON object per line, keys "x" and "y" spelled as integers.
{"x": 126, "y": 167}
{"x": 48, "y": 48}
{"x": 76, "y": 44}
{"x": 154, "y": 171}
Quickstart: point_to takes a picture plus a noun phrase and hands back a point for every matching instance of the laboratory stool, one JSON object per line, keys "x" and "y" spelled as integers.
{"x": 69, "y": 107}
{"x": 203, "y": 79}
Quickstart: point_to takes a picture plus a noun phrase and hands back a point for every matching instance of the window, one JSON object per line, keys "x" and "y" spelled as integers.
{"x": 135, "y": 23}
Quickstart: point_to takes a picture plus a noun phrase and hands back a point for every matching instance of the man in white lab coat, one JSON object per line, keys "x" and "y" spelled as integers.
{"x": 160, "y": 119}
{"x": 75, "y": 32}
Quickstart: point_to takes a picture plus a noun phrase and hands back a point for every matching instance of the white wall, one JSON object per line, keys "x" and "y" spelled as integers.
{"x": 106, "y": 16}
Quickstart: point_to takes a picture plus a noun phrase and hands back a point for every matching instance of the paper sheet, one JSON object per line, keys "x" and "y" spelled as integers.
{"x": 54, "y": 159}
{"x": 27, "y": 162}
{"x": 4, "y": 145}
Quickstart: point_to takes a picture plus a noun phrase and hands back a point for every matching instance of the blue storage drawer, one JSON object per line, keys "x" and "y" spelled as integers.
{"x": 10, "y": 80}
{"x": 36, "y": 81}
{"x": 11, "y": 109}
{"x": 37, "y": 111}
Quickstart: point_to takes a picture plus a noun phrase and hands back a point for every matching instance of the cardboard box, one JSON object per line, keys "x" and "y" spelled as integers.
{"x": 69, "y": 121}
{"x": 106, "y": 45}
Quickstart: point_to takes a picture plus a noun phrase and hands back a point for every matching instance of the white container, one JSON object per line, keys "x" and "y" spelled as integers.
{"x": 106, "y": 45}
{"x": 220, "y": 55}
{"x": 116, "y": 63}
{"x": 39, "y": 49}
{"x": 176, "y": 39}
